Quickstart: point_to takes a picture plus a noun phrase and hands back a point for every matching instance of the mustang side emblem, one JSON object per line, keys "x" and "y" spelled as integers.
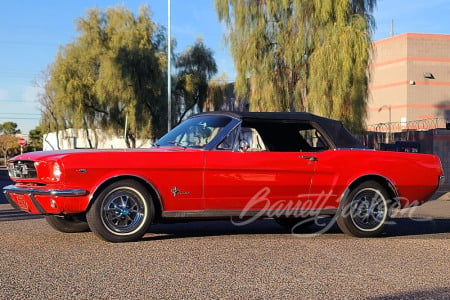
{"x": 175, "y": 191}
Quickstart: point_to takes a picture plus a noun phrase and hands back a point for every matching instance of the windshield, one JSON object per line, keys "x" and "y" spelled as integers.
{"x": 196, "y": 132}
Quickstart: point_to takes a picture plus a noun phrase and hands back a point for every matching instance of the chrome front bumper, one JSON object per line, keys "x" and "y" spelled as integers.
{"x": 32, "y": 192}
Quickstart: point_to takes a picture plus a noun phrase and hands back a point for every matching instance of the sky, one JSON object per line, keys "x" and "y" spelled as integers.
{"x": 31, "y": 33}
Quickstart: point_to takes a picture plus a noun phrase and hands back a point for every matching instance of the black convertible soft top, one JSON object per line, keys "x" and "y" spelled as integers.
{"x": 335, "y": 130}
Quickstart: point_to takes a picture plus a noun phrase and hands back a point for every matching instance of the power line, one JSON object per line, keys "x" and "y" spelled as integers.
{"x": 18, "y": 118}
{"x": 3, "y": 115}
{"x": 20, "y": 73}
{"x": 17, "y": 101}
{"x": 22, "y": 116}
{"x": 19, "y": 43}
{"x": 13, "y": 119}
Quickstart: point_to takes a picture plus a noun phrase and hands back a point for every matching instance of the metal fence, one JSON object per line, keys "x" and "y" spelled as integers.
{"x": 419, "y": 131}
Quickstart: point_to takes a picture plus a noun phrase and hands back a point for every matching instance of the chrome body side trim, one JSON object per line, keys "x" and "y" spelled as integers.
{"x": 241, "y": 214}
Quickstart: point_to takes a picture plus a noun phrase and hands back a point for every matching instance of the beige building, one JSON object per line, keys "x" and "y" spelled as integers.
{"x": 410, "y": 82}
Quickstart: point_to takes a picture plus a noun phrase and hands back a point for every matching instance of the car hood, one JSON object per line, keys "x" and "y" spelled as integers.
{"x": 58, "y": 154}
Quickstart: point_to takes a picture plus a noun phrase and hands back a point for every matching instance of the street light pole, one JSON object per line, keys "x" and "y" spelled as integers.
{"x": 169, "y": 79}
{"x": 390, "y": 120}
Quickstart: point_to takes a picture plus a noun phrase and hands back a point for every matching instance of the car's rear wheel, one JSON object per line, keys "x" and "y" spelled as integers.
{"x": 122, "y": 212}
{"x": 365, "y": 211}
{"x": 67, "y": 223}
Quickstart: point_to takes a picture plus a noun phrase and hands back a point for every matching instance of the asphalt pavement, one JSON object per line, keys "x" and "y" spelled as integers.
{"x": 216, "y": 259}
{"x": 437, "y": 208}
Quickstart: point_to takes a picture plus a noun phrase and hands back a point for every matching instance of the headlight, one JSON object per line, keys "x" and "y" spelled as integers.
{"x": 49, "y": 171}
{"x": 11, "y": 169}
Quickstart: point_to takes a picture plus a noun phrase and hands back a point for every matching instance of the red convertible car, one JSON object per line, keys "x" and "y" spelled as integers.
{"x": 222, "y": 165}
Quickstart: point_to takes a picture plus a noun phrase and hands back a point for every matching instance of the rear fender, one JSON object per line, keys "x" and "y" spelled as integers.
{"x": 383, "y": 181}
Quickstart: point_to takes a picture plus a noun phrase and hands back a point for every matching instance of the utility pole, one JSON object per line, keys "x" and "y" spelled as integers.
{"x": 169, "y": 66}
{"x": 389, "y": 107}
{"x": 392, "y": 27}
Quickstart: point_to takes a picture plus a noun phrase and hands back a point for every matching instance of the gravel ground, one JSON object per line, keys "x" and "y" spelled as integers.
{"x": 211, "y": 260}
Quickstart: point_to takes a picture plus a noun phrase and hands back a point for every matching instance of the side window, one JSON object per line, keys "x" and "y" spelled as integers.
{"x": 250, "y": 140}
{"x": 281, "y": 136}
{"x": 313, "y": 139}
{"x": 229, "y": 143}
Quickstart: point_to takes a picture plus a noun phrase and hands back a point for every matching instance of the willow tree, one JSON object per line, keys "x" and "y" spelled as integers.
{"x": 111, "y": 76}
{"x": 302, "y": 55}
{"x": 196, "y": 66}
{"x": 219, "y": 89}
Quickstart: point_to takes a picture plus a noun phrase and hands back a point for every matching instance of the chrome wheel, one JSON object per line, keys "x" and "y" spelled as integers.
{"x": 368, "y": 209}
{"x": 365, "y": 211}
{"x": 124, "y": 210}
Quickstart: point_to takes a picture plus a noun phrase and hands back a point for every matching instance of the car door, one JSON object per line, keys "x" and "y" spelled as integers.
{"x": 177, "y": 174}
{"x": 257, "y": 180}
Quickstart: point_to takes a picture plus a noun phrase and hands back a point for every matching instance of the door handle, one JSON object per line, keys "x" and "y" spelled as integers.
{"x": 308, "y": 157}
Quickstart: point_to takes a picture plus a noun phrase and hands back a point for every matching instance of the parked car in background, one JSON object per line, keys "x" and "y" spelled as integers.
{"x": 222, "y": 165}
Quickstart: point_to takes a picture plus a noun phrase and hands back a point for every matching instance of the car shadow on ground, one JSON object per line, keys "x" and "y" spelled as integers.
{"x": 404, "y": 227}
{"x": 436, "y": 293}
{"x": 7, "y": 215}
{"x": 397, "y": 228}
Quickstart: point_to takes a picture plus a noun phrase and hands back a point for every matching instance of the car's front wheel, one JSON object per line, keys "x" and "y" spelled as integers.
{"x": 365, "y": 211}
{"x": 67, "y": 223}
{"x": 122, "y": 212}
